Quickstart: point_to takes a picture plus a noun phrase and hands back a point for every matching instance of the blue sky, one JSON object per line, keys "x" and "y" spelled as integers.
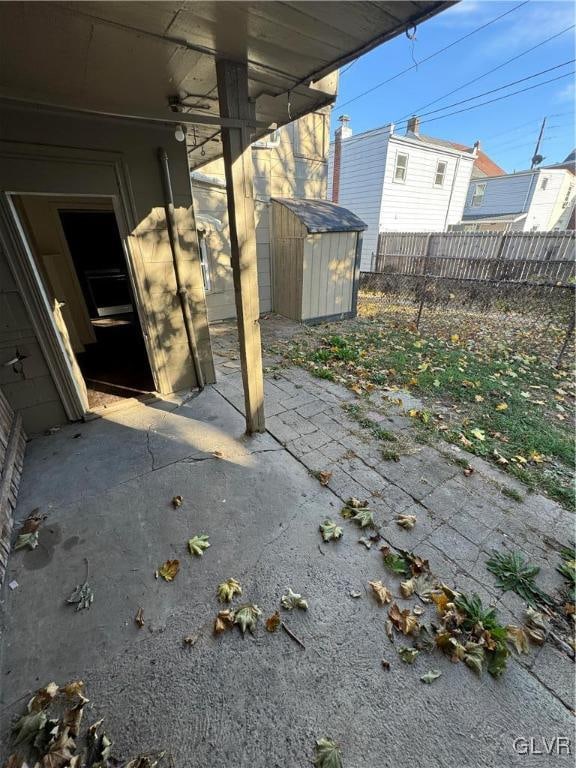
{"x": 507, "y": 129}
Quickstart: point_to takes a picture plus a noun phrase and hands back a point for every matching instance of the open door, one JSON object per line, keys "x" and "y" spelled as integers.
{"x": 71, "y": 357}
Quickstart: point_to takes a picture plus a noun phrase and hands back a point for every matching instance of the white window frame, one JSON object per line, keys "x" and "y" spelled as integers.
{"x": 568, "y": 197}
{"x": 443, "y": 173}
{"x": 271, "y": 141}
{"x": 398, "y": 167}
{"x": 478, "y": 194}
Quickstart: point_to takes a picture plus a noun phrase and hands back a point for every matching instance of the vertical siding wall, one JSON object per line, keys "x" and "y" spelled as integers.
{"x": 328, "y": 274}
{"x": 289, "y": 237}
{"x": 296, "y": 167}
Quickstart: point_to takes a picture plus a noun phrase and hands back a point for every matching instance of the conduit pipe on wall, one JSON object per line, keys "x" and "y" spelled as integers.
{"x": 176, "y": 260}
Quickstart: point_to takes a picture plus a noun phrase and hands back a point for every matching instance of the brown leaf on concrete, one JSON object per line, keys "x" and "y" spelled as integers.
{"x": 75, "y": 688}
{"x": 43, "y": 697}
{"x": 139, "y": 618}
{"x": 177, "y": 501}
{"x": 72, "y": 718}
{"x": 223, "y": 622}
{"x": 386, "y": 665}
{"x": 273, "y": 622}
{"x": 324, "y": 477}
{"x": 381, "y": 592}
{"x": 169, "y": 570}
{"x": 404, "y": 620}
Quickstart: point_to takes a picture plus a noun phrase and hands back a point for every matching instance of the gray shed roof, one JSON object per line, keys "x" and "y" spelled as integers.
{"x": 322, "y": 215}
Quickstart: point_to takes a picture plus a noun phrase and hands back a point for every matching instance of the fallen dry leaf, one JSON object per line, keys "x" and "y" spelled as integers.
{"x": 518, "y": 637}
{"x": 190, "y": 640}
{"x": 197, "y": 544}
{"x": 324, "y": 477}
{"x": 293, "y": 600}
{"x": 431, "y": 676}
{"x": 386, "y": 665}
{"x": 223, "y": 622}
{"x": 177, "y": 501}
{"x": 247, "y": 617}
{"x": 406, "y": 521}
{"x": 273, "y": 622}
{"x": 139, "y": 618}
{"x": 327, "y": 754}
{"x": 501, "y": 407}
{"x": 28, "y": 533}
{"x": 228, "y": 589}
{"x": 218, "y": 454}
{"x": 404, "y": 620}
{"x": 169, "y": 570}
{"x": 330, "y": 531}
{"x": 72, "y": 718}
{"x": 75, "y": 688}
{"x": 381, "y": 592}
{"x": 43, "y": 697}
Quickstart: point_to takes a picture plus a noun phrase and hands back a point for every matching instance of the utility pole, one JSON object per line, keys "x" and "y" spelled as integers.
{"x": 537, "y": 158}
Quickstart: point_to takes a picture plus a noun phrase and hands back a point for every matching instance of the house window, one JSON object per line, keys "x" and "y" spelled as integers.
{"x": 401, "y": 167}
{"x": 568, "y": 196}
{"x": 204, "y": 260}
{"x": 544, "y": 183}
{"x": 271, "y": 141}
{"x": 478, "y": 196}
{"x": 440, "y": 173}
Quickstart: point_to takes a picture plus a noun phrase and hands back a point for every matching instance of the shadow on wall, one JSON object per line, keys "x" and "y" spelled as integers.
{"x": 164, "y": 316}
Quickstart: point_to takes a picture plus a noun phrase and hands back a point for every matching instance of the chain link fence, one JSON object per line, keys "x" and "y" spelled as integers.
{"x": 515, "y": 289}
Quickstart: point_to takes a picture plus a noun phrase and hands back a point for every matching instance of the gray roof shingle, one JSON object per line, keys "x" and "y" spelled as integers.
{"x": 322, "y": 215}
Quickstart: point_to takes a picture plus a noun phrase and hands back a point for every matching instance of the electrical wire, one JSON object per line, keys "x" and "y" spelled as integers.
{"x": 499, "y": 98}
{"x": 488, "y": 72}
{"x": 433, "y": 55}
{"x": 499, "y": 88}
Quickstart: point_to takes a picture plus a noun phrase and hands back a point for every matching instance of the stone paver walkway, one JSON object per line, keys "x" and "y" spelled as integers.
{"x": 460, "y": 519}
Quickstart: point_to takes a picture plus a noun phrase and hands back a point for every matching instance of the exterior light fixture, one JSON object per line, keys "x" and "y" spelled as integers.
{"x": 180, "y": 133}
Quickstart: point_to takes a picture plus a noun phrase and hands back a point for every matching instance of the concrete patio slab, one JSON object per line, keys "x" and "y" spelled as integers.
{"x": 261, "y": 700}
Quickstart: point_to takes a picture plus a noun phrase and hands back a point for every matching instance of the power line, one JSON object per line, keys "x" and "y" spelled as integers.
{"x": 498, "y": 98}
{"x": 348, "y": 67}
{"x": 489, "y": 72}
{"x": 499, "y": 88}
{"x": 433, "y": 55}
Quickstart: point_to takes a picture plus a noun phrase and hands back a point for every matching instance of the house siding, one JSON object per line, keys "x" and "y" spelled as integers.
{"x": 523, "y": 193}
{"x": 504, "y": 194}
{"x": 416, "y": 205}
{"x": 362, "y": 166}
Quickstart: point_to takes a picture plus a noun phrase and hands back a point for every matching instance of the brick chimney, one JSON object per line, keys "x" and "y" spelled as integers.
{"x": 413, "y": 125}
{"x": 343, "y": 132}
{"x": 477, "y": 146}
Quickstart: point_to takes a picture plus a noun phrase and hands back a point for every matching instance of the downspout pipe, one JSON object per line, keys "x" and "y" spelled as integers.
{"x": 456, "y": 169}
{"x": 176, "y": 261}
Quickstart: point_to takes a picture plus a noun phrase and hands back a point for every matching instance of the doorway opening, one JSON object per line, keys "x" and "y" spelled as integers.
{"x": 81, "y": 258}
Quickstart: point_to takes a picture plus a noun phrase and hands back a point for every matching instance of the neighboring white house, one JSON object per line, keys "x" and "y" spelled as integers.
{"x": 399, "y": 183}
{"x": 541, "y": 199}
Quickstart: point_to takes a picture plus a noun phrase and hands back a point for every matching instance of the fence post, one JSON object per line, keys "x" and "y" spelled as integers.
{"x": 423, "y": 285}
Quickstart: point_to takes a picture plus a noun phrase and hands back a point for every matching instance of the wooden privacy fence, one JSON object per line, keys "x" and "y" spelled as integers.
{"x": 540, "y": 258}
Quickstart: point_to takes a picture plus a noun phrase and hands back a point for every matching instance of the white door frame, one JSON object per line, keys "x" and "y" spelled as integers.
{"x": 18, "y": 253}
{"x": 25, "y": 271}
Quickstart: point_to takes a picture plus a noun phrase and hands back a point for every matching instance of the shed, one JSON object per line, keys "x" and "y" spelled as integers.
{"x": 316, "y": 249}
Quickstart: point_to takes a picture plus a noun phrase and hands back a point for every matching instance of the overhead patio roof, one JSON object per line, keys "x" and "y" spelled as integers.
{"x": 146, "y": 59}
